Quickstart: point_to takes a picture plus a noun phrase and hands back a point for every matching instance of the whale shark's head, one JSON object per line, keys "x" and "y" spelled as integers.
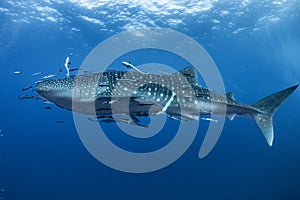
{"x": 56, "y": 91}
{"x": 74, "y": 93}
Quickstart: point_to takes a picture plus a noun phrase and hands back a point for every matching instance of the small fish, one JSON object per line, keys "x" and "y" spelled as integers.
{"x": 108, "y": 120}
{"x": 110, "y": 101}
{"x": 60, "y": 122}
{"x": 164, "y": 109}
{"x": 75, "y": 69}
{"x": 37, "y": 73}
{"x": 26, "y": 88}
{"x": 174, "y": 118}
{"x": 101, "y": 117}
{"x": 67, "y": 63}
{"x": 47, "y": 108}
{"x": 38, "y": 82}
{"x": 129, "y": 65}
{"x": 92, "y": 119}
{"x": 103, "y": 85}
{"x": 209, "y": 119}
{"x": 21, "y": 97}
{"x": 49, "y": 76}
{"x": 17, "y": 72}
{"x": 47, "y": 102}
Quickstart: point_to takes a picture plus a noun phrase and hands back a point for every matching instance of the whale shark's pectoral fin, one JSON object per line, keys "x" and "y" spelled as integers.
{"x": 121, "y": 118}
{"x": 130, "y": 120}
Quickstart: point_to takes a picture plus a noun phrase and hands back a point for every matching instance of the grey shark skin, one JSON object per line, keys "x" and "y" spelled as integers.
{"x": 113, "y": 93}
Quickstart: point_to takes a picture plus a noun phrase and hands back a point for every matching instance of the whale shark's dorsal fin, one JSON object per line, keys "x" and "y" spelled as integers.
{"x": 190, "y": 74}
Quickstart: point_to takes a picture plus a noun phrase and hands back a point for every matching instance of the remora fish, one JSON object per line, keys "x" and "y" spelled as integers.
{"x": 141, "y": 94}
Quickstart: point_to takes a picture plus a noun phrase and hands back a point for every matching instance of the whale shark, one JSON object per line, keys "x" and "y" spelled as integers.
{"x": 111, "y": 95}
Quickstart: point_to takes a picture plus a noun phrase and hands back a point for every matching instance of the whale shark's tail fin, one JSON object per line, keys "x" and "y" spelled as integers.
{"x": 266, "y": 107}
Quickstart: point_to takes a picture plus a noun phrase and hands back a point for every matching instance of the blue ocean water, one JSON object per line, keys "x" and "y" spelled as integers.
{"x": 255, "y": 45}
